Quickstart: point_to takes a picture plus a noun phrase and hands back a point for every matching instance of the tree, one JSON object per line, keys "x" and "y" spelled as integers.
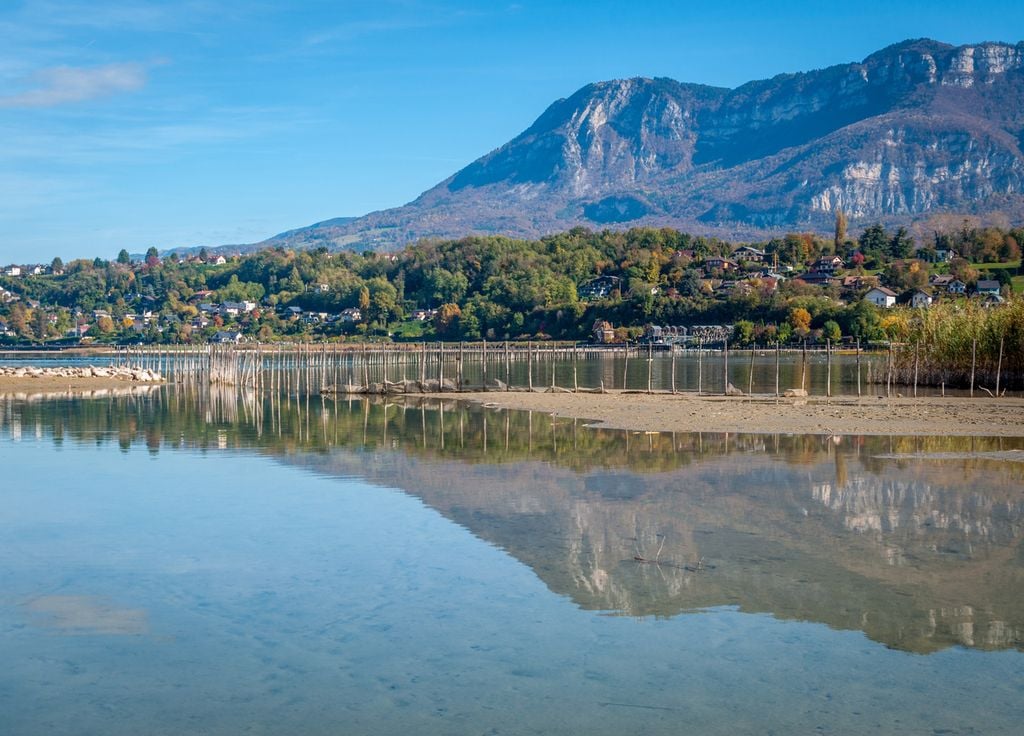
{"x": 800, "y": 319}
{"x": 840, "y": 235}
{"x": 123, "y": 257}
{"x": 901, "y": 245}
{"x": 743, "y": 332}
{"x": 831, "y": 331}
{"x": 152, "y": 257}
{"x": 57, "y": 265}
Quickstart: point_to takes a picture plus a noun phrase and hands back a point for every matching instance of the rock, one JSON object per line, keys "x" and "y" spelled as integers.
{"x": 731, "y": 390}
{"x": 496, "y": 384}
{"x": 793, "y": 393}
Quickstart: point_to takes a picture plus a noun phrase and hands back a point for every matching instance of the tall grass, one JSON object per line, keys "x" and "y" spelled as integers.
{"x": 938, "y": 342}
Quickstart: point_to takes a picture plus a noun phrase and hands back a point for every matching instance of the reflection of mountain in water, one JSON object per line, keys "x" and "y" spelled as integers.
{"x": 918, "y": 554}
{"x": 915, "y": 564}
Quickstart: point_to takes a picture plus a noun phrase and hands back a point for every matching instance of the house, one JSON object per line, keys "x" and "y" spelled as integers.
{"x": 881, "y": 296}
{"x": 827, "y": 264}
{"x": 921, "y": 299}
{"x": 987, "y": 286}
{"x": 942, "y": 280}
{"x": 718, "y": 264}
{"x": 227, "y": 336}
{"x": 351, "y": 315}
{"x": 12, "y": 271}
{"x": 423, "y": 315}
{"x": 957, "y": 287}
{"x": 992, "y": 300}
{"x": 819, "y": 278}
{"x": 5, "y": 330}
{"x": 599, "y": 288}
{"x": 746, "y": 253}
{"x": 323, "y": 288}
{"x": 944, "y": 255}
{"x": 603, "y": 332}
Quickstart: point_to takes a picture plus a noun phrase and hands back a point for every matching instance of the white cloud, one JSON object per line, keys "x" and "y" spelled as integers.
{"x": 63, "y": 85}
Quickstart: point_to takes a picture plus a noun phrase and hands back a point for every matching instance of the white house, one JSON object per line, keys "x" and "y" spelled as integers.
{"x": 921, "y": 299}
{"x": 880, "y": 296}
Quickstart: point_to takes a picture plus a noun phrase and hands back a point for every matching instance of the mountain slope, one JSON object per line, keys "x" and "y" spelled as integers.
{"x": 918, "y": 128}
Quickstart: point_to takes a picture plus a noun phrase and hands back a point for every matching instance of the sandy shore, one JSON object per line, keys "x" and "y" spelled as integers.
{"x": 56, "y": 384}
{"x": 982, "y": 417}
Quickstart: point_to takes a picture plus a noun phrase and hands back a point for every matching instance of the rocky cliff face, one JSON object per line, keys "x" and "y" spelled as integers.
{"x": 918, "y": 128}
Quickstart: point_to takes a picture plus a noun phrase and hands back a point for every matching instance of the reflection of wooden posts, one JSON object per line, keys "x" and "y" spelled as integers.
{"x": 999, "y": 365}
{"x": 650, "y": 364}
{"x": 725, "y": 368}
{"x": 575, "y": 379}
{"x": 700, "y": 366}
{"x": 828, "y": 368}
{"x": 803, "y": 368}
{"x": 750, "y": 373}
{"x": 858, "y": 367}
{"x": 974, "y": 360}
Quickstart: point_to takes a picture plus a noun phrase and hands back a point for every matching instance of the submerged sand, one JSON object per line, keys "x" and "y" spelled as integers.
{"x": 959, "y": 416}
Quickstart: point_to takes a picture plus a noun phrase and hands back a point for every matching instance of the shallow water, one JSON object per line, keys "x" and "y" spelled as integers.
{"x": 194, "y": 563}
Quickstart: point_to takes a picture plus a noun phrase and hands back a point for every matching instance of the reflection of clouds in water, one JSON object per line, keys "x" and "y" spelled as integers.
{"x": 86, "y": 615}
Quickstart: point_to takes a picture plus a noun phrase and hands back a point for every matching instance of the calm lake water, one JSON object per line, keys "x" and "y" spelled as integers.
{"x": 177, "y": 562}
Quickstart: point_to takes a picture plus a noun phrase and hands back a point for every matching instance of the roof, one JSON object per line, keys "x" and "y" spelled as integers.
{"x": 885, "y": 290}
{"x": 988, "y": 284}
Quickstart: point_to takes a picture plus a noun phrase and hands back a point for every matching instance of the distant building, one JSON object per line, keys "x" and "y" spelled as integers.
{"x": 350, "y": 315}
{"x": 921, "y": 299}
{"x": 718, "y": 264}
{"x": 747, "y": 253}
{"x": 987, "y": 286}
{"x": 227, "y": 337}
{"x": 827, "y": 264}
{"x": 12, "y": 271}
{"x": 599, "y": 288}
{"x": 881, "y": 296}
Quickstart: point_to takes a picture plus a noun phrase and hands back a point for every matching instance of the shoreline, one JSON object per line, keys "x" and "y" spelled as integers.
{"x": 639, "y": 412}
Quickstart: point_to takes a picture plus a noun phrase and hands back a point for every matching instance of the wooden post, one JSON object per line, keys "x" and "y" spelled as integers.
{"x": 650, "y": 364}
{"x": 999, "y": 365}
{"x": 974, "y": 361}
{"x": 778, "y": 352}
{"x": 828, "y": 368}
{"x": 673, "y": 369}
{"x": 917, "y": 362}
{"x": 725, "y": 369}
{"x": 858, "y": 367}
{"x": 440, "y": 368}
{"x": 529, "y": 365}
{"x": 625, "y": 366}
{"x": 508, "y": 367}
{"x": 462, "y": 362}
{"x": 750, "y": 374}
{"x": 888, "y": 372}
{"x": 803, "y": 368}
{"x": 483, "y": 365}
{"x": 700, "y": 366}
{"x": 575, "y": 381}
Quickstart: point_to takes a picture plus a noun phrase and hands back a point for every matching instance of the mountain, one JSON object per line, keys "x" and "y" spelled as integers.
{"x": 916, "y": 129}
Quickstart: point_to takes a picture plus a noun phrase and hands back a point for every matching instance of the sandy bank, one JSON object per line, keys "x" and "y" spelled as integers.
{"x": 21, "y": 380}
{"x": 843, "y": 416}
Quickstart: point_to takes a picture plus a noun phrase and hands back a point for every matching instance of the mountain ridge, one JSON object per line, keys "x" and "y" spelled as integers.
{"x": 916, "y": 129}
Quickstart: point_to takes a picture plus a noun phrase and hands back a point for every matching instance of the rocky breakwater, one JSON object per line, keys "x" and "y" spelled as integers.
{"x": 71, "y": 373}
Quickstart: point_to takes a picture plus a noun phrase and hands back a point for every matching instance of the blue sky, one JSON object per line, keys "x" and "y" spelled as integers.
{"x": 203, "y": 122}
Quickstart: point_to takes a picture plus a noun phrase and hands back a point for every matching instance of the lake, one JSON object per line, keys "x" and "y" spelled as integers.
{"x": 179, "y": 561}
